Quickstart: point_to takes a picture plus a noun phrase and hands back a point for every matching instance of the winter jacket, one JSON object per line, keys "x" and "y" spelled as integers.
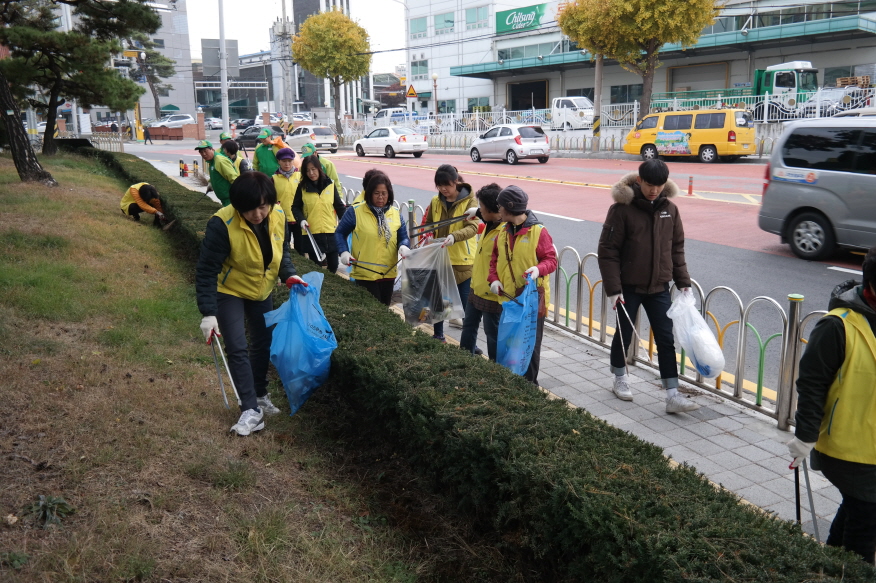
{"x": 222, "y": 174}
{"x": 820, "y": 393}
{"x": 462, "y": 250}
{"x": 642, "y": 243}
{"x": 315, "y": 201}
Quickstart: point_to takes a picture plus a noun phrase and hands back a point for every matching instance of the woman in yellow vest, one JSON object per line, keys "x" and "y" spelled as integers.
{"x": 231, "y": 149}
{"x": 365, "y": 180}
{"x": 317, "y": 206}
{"x": 454, "y": 199}
{"x": 379, "y": 236}
{"x": 836, "y": 409}
{"x": 242, "y": 257}
{"x": 286, "y": 180}
{"x": 482, "y": 303}
{"x": 523, "y": 248}
{"x": 143, "y": 198}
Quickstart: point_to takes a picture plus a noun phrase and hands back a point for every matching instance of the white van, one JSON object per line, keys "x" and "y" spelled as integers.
{"x": 571, "y": 113}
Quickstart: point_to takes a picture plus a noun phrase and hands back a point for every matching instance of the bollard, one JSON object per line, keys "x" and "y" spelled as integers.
{"x": 412, "y": 218}
{"x": 195, "y": 167}
{"x": 180, "y": 167}
{"x": 790, "y": 347}
{"x": 690, "y": 186}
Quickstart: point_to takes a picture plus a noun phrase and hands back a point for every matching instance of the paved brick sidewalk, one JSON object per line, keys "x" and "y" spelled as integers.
{"x": 731, "y": 445}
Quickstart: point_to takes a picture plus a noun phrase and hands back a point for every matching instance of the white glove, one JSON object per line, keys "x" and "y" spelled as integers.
{"x": 210, "y": 326}
{"x": 799, "y": 450}
{"x": 686, "y": 291}
{"x": 448, "y": 241}
{"x": 533, "y": 272}
{"x": 404, "y": 251}
{"x": 471, "y": 214}
{"x": 160, "y": 215}
{"x": 496, "y": 287}
{"x": 303, "y": 224}
{"x": 345, "y": 258}
{"x": 613, "y": 300}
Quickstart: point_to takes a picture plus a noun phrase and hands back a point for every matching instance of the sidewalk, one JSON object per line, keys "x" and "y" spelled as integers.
{"x": 731, "y": 445}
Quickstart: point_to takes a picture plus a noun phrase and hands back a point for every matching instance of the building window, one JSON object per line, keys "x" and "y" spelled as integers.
{"x": 419, "y": 70}
{"x": 158, "y": 42}
{"x": 418, "y": 27}
{"x": 626, "y": 93}
{"x": 444, "y": 23}
{"x": 446, "y": 106}
{"x": 477, "y": 17}
{"x": 532, "y": 51}
{"x": 163, "y": 92}
{"x": 476, "y": 104}
{"x": 586, "y": 92}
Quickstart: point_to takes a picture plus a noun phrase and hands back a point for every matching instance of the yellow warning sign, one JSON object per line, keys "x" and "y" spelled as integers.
{"x": 411, "y": 92}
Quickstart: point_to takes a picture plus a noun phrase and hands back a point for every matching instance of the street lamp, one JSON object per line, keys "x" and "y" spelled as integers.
{"x": 435, "y": 91}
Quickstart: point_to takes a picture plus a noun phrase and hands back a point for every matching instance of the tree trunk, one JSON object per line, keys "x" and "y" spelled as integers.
{"x": 336, "y": 91}
{"x": 50, "y": 147}
{"x": 648, "y": 78}
{"x": 26, "y": 163}
{"x": 154, "y": 96}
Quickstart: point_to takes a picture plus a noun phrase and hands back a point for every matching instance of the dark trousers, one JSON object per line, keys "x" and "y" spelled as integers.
{"x": 463, "y": 287}
{"x": 326, "y": 244}
{"x": 248, "y": 363}
{"x": 656, "y": 306}
{"x": 134, "y": 211}
{"x": 532, "y": 371}
{"x": 854, "y": 528}
{"x": 381, "y": 289}
{"x": 470, "y": 329}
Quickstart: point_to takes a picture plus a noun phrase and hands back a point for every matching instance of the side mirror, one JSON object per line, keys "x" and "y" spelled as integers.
{"x": 481, "y": 137}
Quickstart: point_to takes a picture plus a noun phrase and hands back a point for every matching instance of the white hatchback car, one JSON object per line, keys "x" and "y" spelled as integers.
{"x": 391, "y": 141}
{"x": 176, "y": 120}
{"x": 511, "y": 142}
{"x": 323, "y": 137}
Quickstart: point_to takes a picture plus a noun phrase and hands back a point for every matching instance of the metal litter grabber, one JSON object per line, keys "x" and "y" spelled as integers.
{"x": 421, "y": 230}
{"x": 809, "y": 492}
{"x": 635, "y": 333}
{"x": 214, "y": 341}
{"x": 320, "y": 256}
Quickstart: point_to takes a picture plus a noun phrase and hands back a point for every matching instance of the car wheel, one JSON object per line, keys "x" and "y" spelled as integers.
{"x": 511, "y": 157}
{"x": 543, "y": 160}
{"x": 811, "y": 236}
{"x": 649, "y": 152}
{"x": 389, "y": 152}
{"x": 335, "y": 151}
{"x": 359, "y": 151}
{"x": 708, "y": 154}
{"x": 475, "y": 155}
{"x": 418, "y": 154}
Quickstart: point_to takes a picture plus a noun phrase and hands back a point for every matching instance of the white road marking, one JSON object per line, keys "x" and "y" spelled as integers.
{"x": 559, "y": 216}
{"x": 844, "y": 270}
{"x": 353, "y": 177}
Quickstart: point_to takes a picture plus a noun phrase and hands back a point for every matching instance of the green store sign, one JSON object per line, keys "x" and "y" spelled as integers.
{"x": 520, "y": 18}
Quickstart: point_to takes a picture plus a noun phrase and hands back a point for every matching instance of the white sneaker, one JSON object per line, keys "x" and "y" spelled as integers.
{"x": 679, "y": 404}
{"x": 621, "y": 388}
{"x": 456, "y": 323}
{"x": 250, "y": 420}
{"x": 266, "y": 406}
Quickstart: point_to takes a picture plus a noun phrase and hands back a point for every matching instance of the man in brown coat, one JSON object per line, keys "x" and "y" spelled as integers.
{"x": 641, "y": 250}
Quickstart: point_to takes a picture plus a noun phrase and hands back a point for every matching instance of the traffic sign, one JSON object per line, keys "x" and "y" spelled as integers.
{"x": 411, "y": 92}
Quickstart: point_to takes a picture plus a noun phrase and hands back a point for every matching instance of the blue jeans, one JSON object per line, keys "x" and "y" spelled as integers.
{"x": 656, "y": 306}
{"x": 248, "y": 363}
{"x": 470, "y": 329}
{"x": 463, "y": 287}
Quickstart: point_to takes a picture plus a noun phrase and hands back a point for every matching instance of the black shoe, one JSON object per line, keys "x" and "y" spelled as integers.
{"x": 478, "y": 351}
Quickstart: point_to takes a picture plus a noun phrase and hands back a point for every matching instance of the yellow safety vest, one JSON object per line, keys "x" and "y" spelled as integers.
{"x": 522, "y": 258}
{"x": 286, "y": 188}
{"x": 371, "y": 247}
{"x": 128, "y": 198}
{"x": 319, "y": 209}
{"x": 359, "y": 198}
{"x": 462, "y": 252}
{"x": 243, "y": 272}
{"x": 481, "y": 269}
{"x": 847, "y": 428}
{"x": 237, "y": 162}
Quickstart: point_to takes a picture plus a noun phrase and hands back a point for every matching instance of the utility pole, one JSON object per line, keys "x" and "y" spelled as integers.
{"x": 223, "y": 68}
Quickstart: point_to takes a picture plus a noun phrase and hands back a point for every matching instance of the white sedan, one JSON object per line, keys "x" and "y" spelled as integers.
{"x": 391, "y": 141}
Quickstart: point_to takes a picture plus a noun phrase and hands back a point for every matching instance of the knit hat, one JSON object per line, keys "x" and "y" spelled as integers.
{"x": 308, "y": 149}
{"x": 204, "y": 144}
{"x": 265, "y": 133}
{"x": 513, "y": 199}
{"x": 224, "y": 136}
{"x": 285, "y": 154}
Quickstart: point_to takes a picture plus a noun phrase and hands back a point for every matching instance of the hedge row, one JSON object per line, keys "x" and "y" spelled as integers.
{"x": 586, "y": 501}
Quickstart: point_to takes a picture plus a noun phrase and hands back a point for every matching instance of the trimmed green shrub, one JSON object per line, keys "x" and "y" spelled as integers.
{"x": 585, "y": 501}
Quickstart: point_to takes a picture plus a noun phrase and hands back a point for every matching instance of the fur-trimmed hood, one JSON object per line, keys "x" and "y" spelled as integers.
{"x": 623, "y": 192}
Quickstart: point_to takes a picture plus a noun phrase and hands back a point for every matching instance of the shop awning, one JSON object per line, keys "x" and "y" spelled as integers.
{"x": 169, "y": 107}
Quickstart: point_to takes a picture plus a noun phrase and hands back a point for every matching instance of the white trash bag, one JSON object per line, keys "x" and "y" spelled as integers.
{"x": 693, "y": 335}
{"x": 428, "y": 286}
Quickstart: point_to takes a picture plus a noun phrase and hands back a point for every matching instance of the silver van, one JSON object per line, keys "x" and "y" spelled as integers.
{"x": 820, "y": 186}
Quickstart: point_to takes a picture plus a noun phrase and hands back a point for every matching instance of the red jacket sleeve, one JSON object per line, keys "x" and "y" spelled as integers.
{"x": 546, "y": 254}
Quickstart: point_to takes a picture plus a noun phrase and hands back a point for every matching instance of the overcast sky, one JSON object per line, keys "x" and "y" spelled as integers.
{"x": 249, "y": 22}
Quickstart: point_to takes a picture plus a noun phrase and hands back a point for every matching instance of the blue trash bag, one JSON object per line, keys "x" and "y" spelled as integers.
{"x": 303, "y": 341}
{"x": 517, "y": 329}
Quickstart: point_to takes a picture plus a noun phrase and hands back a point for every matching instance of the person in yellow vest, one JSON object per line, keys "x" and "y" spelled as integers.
{"x": 242, "y": 257}
{"x": 365, "y": 180}
{"x": 379, "y": 236}
{"x": 317, "y": 206}
{"x": 328, "y": 166}
{"x": 231, "y": 149}
{"x": 523, "y": 248}
{"x": 286, "y": 180}
{"x": 482, "y": 303}
{"x": 220, "y": 168}
{"x": 143, "y": 198}
{"x": 454, "y": 199}
{"x": 264, "y": 159}
{"x": 836, "y": 409}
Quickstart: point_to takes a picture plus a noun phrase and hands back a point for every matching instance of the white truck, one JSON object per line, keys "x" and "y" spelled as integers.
{"x": 571, "y": 113}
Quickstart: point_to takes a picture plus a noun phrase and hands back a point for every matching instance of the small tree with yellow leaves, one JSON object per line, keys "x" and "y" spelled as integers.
{"x": 333, "y": 46}
{"x": 632, "y": 31}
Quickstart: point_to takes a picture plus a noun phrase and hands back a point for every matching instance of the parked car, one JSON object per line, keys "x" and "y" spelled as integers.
{"x": 391, "y": 141}
{"x": 249, "y": 137}
{"x": 833, "y": 100}
{"x": 571, "y": 113}
{"x": 861, "y": 112}
{"x": 511, "y": 142}
{"x": 302, "y": 116}
{"x": 245, "y": 123}
{"x": 176, "y": 120}
{"x": 819, "y": 186}
{"x": 323, "y": 137}
{"x": 213, "y": 123}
